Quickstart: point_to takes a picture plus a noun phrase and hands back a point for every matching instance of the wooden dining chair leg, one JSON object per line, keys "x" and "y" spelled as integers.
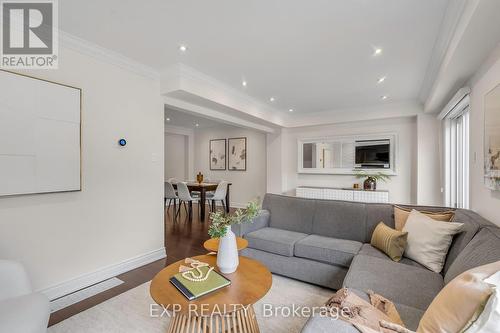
{"x": 223, "y": 205}
{"x": 178, "y": 211}
{"x": 169, "y": 202}
{"x": 213, "y": 205}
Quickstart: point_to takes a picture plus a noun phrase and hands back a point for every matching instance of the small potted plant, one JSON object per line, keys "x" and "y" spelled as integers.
{"x": 227, "y": 254}
{"x": 370, "y": 183}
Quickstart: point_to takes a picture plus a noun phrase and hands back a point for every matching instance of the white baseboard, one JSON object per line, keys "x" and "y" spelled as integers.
{"x": 85, "y": 280}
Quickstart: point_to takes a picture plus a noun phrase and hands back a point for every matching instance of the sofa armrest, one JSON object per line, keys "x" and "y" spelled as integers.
{"x": 259, "y": 222}
{"x": 14, "y": 281}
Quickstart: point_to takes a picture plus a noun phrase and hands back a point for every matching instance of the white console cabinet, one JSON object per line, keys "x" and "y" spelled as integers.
{"x": 342, "y": 194}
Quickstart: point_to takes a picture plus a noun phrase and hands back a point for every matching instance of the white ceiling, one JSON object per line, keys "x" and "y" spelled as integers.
{"x": 312, "y": 56}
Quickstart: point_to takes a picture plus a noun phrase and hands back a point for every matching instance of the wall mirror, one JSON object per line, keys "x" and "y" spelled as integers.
{"x": 339, "y": 155}
{"x": 492, "y": 139}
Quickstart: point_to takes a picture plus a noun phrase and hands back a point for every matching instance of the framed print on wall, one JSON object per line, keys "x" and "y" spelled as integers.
{"x": 217, "y": 154}
{"x": 492, "y": 139}
{"x": 237, "y": 159}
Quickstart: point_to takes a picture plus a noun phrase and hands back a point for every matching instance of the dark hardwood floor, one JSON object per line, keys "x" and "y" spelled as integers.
{"x": 183, "y": 238}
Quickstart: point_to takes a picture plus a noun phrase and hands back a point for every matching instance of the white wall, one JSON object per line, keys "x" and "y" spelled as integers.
{"x": 402, "y": 187}
{"x": 247, "y": 185}
{"x": 176, "y": 156}
{"x": 429, "y": 161}
{"x": 482, "y": 200}
{"x": 118, "y": 214}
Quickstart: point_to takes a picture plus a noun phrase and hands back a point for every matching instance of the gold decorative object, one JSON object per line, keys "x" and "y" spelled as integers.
{"x": 199, "y": 178}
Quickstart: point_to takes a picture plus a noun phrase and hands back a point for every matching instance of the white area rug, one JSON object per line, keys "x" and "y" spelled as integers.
{"x": 129, "y": 312}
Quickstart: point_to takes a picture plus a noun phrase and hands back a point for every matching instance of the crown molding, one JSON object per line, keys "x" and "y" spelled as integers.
{"x": 447, "y": 32}
{"x": 209, "y": 113}
{"x": 83, "y": 46}
{"x": 178, "y": 130}
{"x": 399, "y": 109}
{"x": 181, "y": 77}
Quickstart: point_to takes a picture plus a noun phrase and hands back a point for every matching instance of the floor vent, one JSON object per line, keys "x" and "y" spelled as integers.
{"x": 80, "y": 295}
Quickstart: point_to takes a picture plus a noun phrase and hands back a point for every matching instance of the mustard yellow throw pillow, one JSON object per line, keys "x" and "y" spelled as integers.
{"x": 391, "y": 242}
{"x": 460, "y": 302}
{"x": 401, "y": 215}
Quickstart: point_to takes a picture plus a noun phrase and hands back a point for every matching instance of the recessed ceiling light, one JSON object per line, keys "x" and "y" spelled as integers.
{"x": 382, "y": 79}
{"x": 384, "y": 97}
{"x": 272, "y": 99}
{"x": 244, "y": 83}
{"x": 168, "y": 119}
{"x": 197, "y": 125}
{"x": 290, "y": 110}
{"x": 378, "y": 51}
{"x": 183, "y": 48}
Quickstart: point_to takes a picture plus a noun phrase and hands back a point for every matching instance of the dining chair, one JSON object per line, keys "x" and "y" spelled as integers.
{"x": 185, "y": 198}
{"x": 219, "y": 195}
{"x": 170, "y": 195}
{"x": 173, "y": 180}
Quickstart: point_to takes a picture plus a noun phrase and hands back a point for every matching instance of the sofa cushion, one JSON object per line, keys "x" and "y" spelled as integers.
{"x": 330, "y": 250}
{"x": 472, "y": 223}
{"x": 369, "y": 250}
{"x": 403, "y": 284}
{"x": 483, "y": 249}
{"x": 401, "y": 215}
{"x": 274, "y": 240}
{"x": 290, "y": 213}
{"x": 390, "y": 241}
{"x": 340, "y": 219}
{"x": 429, "y": 240}
{"x": 376, "y": 213}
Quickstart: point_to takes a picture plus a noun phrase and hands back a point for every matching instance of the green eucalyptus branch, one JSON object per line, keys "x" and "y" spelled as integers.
{"x": 377, "y": 176}
{"x": 221, "y": 220}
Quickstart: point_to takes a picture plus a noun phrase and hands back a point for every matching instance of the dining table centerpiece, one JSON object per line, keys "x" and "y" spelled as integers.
{"x": 199, "y": 178}
{"x": 221, "y": 222}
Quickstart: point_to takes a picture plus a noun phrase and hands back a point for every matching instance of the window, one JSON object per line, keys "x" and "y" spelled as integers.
{"x": 457, "y": 155}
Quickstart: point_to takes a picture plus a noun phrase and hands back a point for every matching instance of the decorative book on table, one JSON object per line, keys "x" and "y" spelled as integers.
{"x": 193, "y": 290}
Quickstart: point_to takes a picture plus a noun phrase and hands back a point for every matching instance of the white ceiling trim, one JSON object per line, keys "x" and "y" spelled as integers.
{"x": 462, "y": 22}
{"x": 185, "y": 78}
{"x": 385, "y": 111}
{"x": 85, "y": 47}
{"x": 213, "y": 114}
{"x": 448, "y": 29}
{"x": 178, "y": 130}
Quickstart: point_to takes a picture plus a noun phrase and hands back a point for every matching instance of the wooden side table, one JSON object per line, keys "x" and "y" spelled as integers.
{"x": 227, "y": 310}
{"x": 213, "y": 244}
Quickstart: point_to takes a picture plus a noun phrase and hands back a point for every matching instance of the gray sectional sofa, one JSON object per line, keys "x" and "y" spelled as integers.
{"x": 326, "y": 242}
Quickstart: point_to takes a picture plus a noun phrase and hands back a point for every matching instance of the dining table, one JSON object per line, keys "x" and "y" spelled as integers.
{"x": 203, "y": 188}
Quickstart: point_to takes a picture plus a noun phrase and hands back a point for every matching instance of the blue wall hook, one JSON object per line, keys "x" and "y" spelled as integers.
{"x": 122, "y": 142}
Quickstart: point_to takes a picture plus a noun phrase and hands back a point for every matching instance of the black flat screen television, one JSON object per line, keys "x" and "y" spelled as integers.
{"x": 373, "y": 154}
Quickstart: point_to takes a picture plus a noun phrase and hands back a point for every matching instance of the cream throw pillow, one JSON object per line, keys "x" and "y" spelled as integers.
{"x": 460, "y": 301}
{"x": 489, "y": 319}
{"x": 428, "y": 241}
{"x": 401, "y": 216}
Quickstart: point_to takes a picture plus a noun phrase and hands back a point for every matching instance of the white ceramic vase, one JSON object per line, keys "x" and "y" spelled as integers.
{"x": 227, "y": 255}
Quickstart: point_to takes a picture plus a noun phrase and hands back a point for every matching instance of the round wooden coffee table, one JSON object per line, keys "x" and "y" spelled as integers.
{"x": 228, "y": 309}
{"x": 213, "y": 244}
